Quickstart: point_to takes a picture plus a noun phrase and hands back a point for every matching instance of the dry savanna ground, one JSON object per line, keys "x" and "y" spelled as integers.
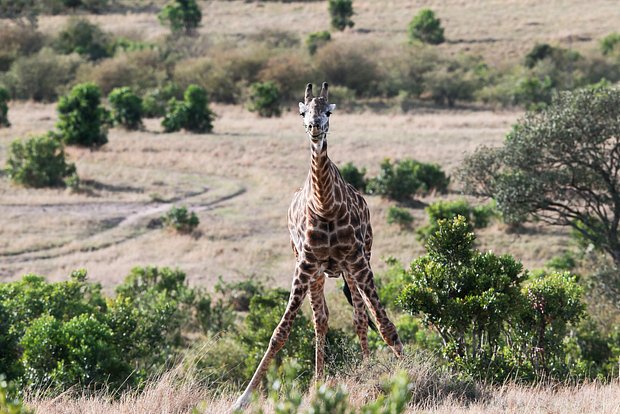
{"x": 239, "y": 180}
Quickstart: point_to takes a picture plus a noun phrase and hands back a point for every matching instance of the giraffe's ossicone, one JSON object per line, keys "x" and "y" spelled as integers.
{"x": 331, "y": 235}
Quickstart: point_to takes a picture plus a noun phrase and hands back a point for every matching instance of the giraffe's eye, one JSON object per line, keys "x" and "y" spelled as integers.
{"x": 328, "y": 113}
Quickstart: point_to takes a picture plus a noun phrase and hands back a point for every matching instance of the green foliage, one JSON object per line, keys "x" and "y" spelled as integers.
{"x": 477, "y": 217}
{"x": 399, "y": 216}
{"x": 181, "y": 15}
{"x": 192, "y": 114}
{"x": 155, "y": 100}
{"x": 39, "y": 161}
{"x": 41, "y": 76}
{"x": 82, "y": 118}
{"x": 8, "y": 403}
{"x": 5, "y": 97}
{"x": 558, "y": 166}
{"x": 265, "y": 99}
{"x": 126, "y": 108}
{"x": 21, "y": 11}
{"x": 354, "y": 176}
{"x": 426, "y": 28}
{"x": 317, "y": 39}
{"x": 455, "y": 79}
{"x": 84, "y": 38}
{"x": 181, "y": 220}
{"x": 65, "y": 334}
{"x": 341, "y": 12}
{"x": 494, "y": 323}
{"x": 609, "y": 43}
{"x": 16, "y": 41}
{"x": 403, "y": 179}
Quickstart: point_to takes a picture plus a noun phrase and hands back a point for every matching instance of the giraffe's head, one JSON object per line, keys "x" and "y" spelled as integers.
{"x": 316, "y": 111}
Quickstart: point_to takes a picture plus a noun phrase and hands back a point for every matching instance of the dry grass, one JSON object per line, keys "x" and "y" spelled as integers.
{"x": 500, "y": 30}
{"x": 433, "y": 391}
{"x": 239, "y": 179}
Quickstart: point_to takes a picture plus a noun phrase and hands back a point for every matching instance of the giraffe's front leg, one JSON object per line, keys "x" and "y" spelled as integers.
{"x": 360, "y": 318}
{"x": 366, "y": 284}
{"x": 321, "y": 317}
{"x": 303, "y": 273}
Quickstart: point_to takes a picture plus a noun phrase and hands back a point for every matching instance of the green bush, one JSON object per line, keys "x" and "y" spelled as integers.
{"x": 265, "y": 99}
{"x": 317, "y": 39}
{"x": 155, "y": 100}
{"x": 494, "y": 323}
{"x": 403, "y": 179}
{"x": 84, "y": 38}
{"x": 453, "y": 80}
{"x": 192, "y": 114}
{"x": 340, "y": 12}
{"x": 9, "y": 404}
{"x": 181, "y": 15}
{"x": 126, "y": 108}
{"x": 38, "y": 162}
{"x": 478, "y": 217}
{"x": 354, "y": 176}
{"x": 5, "y": 97}
{"x": 181, "y": 220}
{"x": 399, "y": 216}
{"x": 82, "y": 118}
{"x": 41, "y": 76}
{"x": 426, "y": 28}
{"x": 16, "y": 41}
{"x": 609, "y": 43}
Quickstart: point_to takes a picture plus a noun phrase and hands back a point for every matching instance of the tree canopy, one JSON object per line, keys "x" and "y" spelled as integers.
{"x": 560, "y": 166}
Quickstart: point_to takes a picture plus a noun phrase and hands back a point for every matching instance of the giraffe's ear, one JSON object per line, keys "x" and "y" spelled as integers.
{"x": 332, "y": 107}
{"x": 302, "y": 108}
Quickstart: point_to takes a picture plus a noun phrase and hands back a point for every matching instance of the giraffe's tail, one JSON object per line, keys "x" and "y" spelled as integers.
{"x": 347, "y": 294}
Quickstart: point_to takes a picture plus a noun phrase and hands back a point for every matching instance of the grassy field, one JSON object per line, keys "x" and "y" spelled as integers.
{"x": 240, "y": 180}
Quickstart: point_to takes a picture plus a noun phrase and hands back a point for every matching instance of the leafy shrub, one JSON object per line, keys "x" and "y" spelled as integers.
{"x": 16, "y": 41}
{"x": 4, "y": 107}
{"x": 609, "y": 43}
{"x": 426, "y": 28}
{"x": 403, "y": 179}
{"x": 38, "y": 162}
{"x": 492, "y": 322}
{"x": 84, "y": 38}
{"x": 82, "y": 118}
{"x": 317, "y": 39}
{"x": 181, "y": 15}
{"x": 181, "y": 220}
{"x": 354, "y": 176}
{"x": 192, "y": 114}
{"x": 140, "y": 70}
{"x": 239, "y": 294}
{"x": 265, "y": 99}
{"x": 126, "y": 108}
{"x": 341, "y": 12}
{"x": 290, "y": 72}
{"x": 539, "y": 52}
{"x": 41, "y": 76}
{"x": 9, "y": 404}
{"x": 477, "y": 217}
{"x": 155, "y": 101}
{"x": 399, "y": 216}
{"x": 349, "y": 65}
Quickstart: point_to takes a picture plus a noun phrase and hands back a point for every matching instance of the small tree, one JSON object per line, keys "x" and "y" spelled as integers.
{"x": 85, "y": 38}
{"x": 38, "y": 162}
{"x": 126, "y": 108}
{"x": 399, "y": 216}
{"x": 181, "y": 15}
{"x": 315, "y": 40}
{"x": 181, "y": 220}
{"x": 354, "y": 176}
{"x": 192, "y": 114}
{"x": 5, "y": 97}
{"x": 403, "y": 179}
{"x": 426, "y": 28}
{"x": 341, "y": 12}
{"x": 609, "y": 43}
{"x": 265, "y": 99}
{"x": 559, "y": 166}
{"x": 81, "y": 117}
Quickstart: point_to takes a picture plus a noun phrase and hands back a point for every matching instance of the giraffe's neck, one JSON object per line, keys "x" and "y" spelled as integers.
{"x": 322, "y": 185}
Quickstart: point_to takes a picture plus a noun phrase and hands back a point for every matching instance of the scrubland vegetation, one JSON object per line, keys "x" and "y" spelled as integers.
{"x": 171, "y": 146}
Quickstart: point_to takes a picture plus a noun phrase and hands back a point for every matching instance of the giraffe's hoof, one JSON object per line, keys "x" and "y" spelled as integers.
{"x": 241, "y": 404}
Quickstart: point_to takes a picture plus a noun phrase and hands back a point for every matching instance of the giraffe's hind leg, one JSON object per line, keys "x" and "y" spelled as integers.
{"x": 321, "y": 317}
{"x": 366, "y": 285}
{"x": 360, "y": 318}
{"x": 303, "y": 273}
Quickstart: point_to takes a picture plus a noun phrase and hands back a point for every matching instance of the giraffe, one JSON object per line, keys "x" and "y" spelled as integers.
{"x": 329, "y": 225}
